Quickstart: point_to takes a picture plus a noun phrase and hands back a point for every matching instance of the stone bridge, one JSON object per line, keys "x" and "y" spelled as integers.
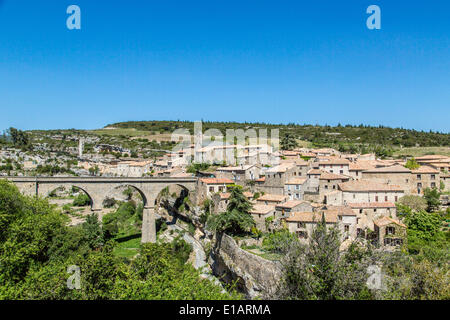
{"x": 99, "y": 188}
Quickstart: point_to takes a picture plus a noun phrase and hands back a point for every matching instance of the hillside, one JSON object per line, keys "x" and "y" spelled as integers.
{"x": 382, "y": 140}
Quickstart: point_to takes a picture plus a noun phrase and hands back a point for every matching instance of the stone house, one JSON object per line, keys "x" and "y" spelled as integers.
{"x": 261, "y": 212}
{"x": 271, "y": 199}
{"x": 239, "y": 174}
{"x": 206, "y": 187}
{"x": 424, "y": 177}
{"x": 284, "y": 209}
{"x": 329, "y": 182}
{"x": 303, "y": 223}
{"x": 294, "y": 188}
{"x": 368, "y": 212}
{"x": 395, "y": 175}
{"x": 337, "y": 166}
{"x": 389, "y": 232}
{"x": 359, "y": 191}
{"x": 276, "y": 177}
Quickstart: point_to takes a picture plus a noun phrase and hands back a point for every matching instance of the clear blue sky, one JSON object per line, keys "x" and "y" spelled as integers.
{"x": 274, "y": 61}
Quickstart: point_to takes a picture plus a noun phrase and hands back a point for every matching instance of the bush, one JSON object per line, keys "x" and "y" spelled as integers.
{"x": 81, "y": 200}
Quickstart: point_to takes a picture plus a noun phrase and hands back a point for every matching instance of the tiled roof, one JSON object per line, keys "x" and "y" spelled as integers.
{"x": 262, "y": 209}
{"x": 364, "y": 185}
{"x": 362, "y": 205}
{"x": 272, "y": 197}
{"x": 331, "y": 176}
{"x": 311, "y": 217}
{"x": 334, "y": 162}
{"x": 340, "y": 210}
{"x": 384, "y": 221}
{"x": 432, "y": 157}
{"x": 281, "y": 167}
{"x": 290, "y": 204}
{"x": 296, "y": 181}
{"x": 216, "y": 181}
{"x": 225, "y": 195}
{"x": 425, "y": 169}
{"x": 315, "y": 171}
{"x": 391, "y": 169}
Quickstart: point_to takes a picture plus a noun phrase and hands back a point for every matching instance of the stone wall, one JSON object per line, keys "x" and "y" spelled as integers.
{"x": 255, "y": 276}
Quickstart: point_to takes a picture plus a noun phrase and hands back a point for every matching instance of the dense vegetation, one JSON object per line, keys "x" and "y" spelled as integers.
{"x": 37, "y": 248}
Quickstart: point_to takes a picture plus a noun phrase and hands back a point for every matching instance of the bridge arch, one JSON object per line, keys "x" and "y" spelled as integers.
{"x": 45, "y": 190}
{"x": 141, "y": 192}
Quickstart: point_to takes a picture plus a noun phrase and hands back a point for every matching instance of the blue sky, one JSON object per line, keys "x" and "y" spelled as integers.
{"x": 273, "y": 61}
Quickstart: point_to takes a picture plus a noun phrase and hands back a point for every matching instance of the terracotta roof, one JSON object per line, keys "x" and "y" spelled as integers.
{"x": 238, "y": 168}
{"x": 272, "y": 197}
{"x": 364, "y": 185}
{"x": 225, "y": 195}
{"x": 261, "y": 179}
{"x": 391, "y": 169}
{"x": 331, "y": 176}
{"x": 340, "y": 210}
{"x": 308, "y": 154}
{"x": 311, "y": 217}
{"x": 290, "y": 204}
{"x": 315, "y": 171}
{"x": 425, "y": 169}
{"x": 281, "y": 167}
{"x": 431, "y": 157}
{"x": 262, "y": 209}
{"x": 384, "y": 221}
{"x": 372, "y": 205}
{"x": 248, "y": 194}
{"x": 334, "y": 162}
{"x": 216, "y": 181}
{"x": 296, "y": 181}
{"x": 359, "y": 166}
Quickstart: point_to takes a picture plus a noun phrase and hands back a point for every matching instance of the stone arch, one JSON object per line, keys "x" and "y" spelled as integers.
{"x": 45, "y": 189}
{"x": 141, "y": 192}
{"x": 159, "y": 189}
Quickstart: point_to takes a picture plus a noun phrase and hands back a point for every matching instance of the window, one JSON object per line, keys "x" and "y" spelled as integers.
{"x": 302, "y": 234}
{"x": 220, "y": 188}
{"x": 385, "y": 198}
{"x": 419, "y": 177}
{"x": 341, "y": 171}
{"x": 211, "y": 189}
{"x": 390, "y": 230}
{"x": 357, "y": 172}
{"x": 433, "y": 177}
{"x": 376, "y": 198}
{"x": 407, "y": 180}
{"x": 419, "y": 185}
{"x": 360, "y": 210}
{"x": 433, "y": 185}
{"x": 326, "y": 186}
{"x": 396, "y": 198}
{"x": 331, "y": 171}
{"x": 301, "y": 225}
{"x": 346, "y": 228}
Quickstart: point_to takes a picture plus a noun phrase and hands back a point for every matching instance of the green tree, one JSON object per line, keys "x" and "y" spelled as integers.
{"x": 412, "y": 164}
{"x": 319, "y": 270}
{"x": 432, "y": 197}
{"x": 237, "y": 219}
{"x": 288, "y": 142}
